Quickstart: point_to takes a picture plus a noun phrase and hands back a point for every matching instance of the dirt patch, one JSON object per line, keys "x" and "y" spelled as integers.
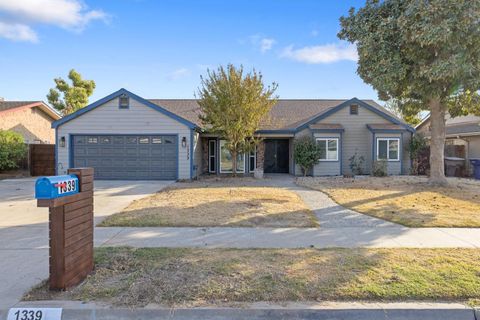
{"x": 239, "y": 202}
{"x": 200, "y": 277}
{"x": 409, "y": 200}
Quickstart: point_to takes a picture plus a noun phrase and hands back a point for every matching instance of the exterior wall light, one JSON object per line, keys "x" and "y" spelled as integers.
{"x": 184, "y": 142}
{"x": 62, "y": 142}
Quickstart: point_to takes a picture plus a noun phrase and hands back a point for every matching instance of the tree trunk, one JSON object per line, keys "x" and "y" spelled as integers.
{"x": 437, "y": 143}
{"x": 234, "y": 163}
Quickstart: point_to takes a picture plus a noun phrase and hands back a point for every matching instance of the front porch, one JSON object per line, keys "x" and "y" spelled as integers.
{"x": 272, "y": 155}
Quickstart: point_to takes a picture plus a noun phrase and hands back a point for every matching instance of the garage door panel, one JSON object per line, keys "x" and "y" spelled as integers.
{"x": 128, "y": 156}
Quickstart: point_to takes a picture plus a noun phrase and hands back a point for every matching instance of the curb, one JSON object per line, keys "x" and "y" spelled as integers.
{"x": 428, "y": 313}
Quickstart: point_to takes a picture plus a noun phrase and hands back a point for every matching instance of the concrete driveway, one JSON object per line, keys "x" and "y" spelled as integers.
{"x": 24, "y": 229}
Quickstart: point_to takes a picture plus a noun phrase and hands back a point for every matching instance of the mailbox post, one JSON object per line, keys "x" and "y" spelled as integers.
{"x": 70, "y": 202}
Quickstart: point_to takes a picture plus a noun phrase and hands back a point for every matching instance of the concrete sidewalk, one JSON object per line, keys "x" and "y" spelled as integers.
{"x": 24, "y": 229}
{"x": 393, "y": 237}
{"x": 264, "y": 311}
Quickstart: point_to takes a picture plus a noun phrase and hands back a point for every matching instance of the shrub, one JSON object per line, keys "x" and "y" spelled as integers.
{"x": 356, "y": 164}
{"x": 12, "y": 149}
{"x": 306, "y": 153}
{"x": 379, "y": 168}
{"x": 417, "y": 147}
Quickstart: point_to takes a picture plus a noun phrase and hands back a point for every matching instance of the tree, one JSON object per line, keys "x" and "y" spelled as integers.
{"x": 405, "y": 109}
{"x": 232, "y": 105}
{"x": 75, "y": 96}
{"x": 306, "y": 153}
{"x": 423, "y": 51}
{"x": 12, "y": 149}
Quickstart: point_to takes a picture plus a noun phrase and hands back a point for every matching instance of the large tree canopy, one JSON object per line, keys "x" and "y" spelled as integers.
{"x": 75, "y": 96}
{"x": 423, "y": 53}
{"x": 233, "y": 103}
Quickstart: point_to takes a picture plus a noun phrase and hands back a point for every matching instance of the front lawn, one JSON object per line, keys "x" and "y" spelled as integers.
{"x": 409, "y": 200}
{"x": 199, "y": 277}
{"x": 240, "y": 202}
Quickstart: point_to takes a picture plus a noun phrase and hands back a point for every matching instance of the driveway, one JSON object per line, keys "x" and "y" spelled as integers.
{"x": 24, "y": 229}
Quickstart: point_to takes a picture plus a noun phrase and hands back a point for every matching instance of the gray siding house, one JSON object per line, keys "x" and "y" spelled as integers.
{"x": 463, "y": 130}
{"x": 124, "y": 136}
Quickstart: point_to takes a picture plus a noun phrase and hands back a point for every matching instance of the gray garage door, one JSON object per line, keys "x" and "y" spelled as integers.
{"x": 142, "y": 157}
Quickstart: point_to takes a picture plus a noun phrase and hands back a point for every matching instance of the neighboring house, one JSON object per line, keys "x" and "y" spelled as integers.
{"x": 124, "y": 136}
{"x": 32, "y": 119}
{"x": 463, "y": 130}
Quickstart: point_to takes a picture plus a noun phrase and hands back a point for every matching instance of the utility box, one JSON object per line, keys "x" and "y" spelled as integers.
{"x": 56, "y": 186}
{"x": 70, "y": 202}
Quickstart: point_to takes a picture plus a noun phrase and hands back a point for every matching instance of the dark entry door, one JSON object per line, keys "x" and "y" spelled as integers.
{"x": 276, "y": 156}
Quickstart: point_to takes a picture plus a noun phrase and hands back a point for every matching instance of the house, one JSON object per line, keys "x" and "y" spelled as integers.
{"x": 124, "y": 136}
{"x": 32, "y": 119}
{"x": 463, "y": 131}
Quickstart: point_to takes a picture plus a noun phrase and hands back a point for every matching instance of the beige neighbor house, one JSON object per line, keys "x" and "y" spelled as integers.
{"x": 124, "y": 136}
{"x": 32, "y": 119}
{"x": 463, "y": 130}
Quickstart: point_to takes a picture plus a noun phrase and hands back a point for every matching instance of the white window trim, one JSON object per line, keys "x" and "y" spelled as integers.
{"x": 327, "y": 139}
{"x": 220, "y": 160}
{"x": 388, "y": 149}
{"x": 214, "y": 155}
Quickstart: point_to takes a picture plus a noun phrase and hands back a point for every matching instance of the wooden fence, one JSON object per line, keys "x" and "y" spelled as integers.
{"x": 42, "y": 159}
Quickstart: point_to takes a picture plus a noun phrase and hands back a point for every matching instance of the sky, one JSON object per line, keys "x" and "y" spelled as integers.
{"x": 159, "y": 48}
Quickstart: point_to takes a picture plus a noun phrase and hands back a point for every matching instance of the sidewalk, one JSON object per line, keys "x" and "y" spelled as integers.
{"x": 349, "y": 237}
{"x": 263, "y": 311}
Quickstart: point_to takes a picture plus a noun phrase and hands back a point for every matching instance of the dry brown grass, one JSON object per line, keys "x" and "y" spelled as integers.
{"x": 198, "y": 277}
{"x": 409, "y": 201}
{"x": 233, "y": 203}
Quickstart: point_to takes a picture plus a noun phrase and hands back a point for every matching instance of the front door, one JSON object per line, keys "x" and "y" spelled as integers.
{"x": 276, "y": 156}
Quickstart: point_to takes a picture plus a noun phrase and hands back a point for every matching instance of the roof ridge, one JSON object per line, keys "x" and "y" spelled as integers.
{"x": 281, "y": 99}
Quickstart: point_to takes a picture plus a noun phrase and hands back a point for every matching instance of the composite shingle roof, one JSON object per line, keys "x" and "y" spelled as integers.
{"x": 326, "y": 126}
{"x": 7, "y": 105}
{"x": 464, "y": 128}
{"x": 286, "y": 114}
{"x": 385, "y": 126}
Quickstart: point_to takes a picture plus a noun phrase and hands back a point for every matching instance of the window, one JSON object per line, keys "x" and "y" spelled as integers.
{"x": 143, "y": 140}
{"x": 131, "y": 140}
{"x": 354, "y": 109}
{"x": 328, "y": 149}
{"x": 388, "y": 149}
{"x": 252, "y": 163}
{"x": 124, "y": 102}
{"x": 212, "y": 155}
{"x": 92, "y": 140}
{"x": 156, "y": 140}
{"x": 226, "y": 160}
{"x": 105, "y": 140}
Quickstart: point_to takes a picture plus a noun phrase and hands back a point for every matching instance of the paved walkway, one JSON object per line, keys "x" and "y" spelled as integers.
{"x": 348, "y": 237}
{"x": 339, "y": 227}
{"x": 24, "y": 229}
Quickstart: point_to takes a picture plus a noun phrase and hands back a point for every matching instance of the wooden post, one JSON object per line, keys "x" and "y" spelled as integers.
{"x": 71, "y": 233}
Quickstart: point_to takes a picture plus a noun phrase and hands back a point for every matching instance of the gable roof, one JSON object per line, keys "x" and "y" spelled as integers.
{"x": 287, "y": 115}
{"x": 12, "y": 106}
{"x": 462, "y": 125}
{"x": 117, "y": 94}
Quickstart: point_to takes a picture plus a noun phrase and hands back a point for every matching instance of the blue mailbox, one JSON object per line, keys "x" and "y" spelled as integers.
{"x": 56, "y": 186}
